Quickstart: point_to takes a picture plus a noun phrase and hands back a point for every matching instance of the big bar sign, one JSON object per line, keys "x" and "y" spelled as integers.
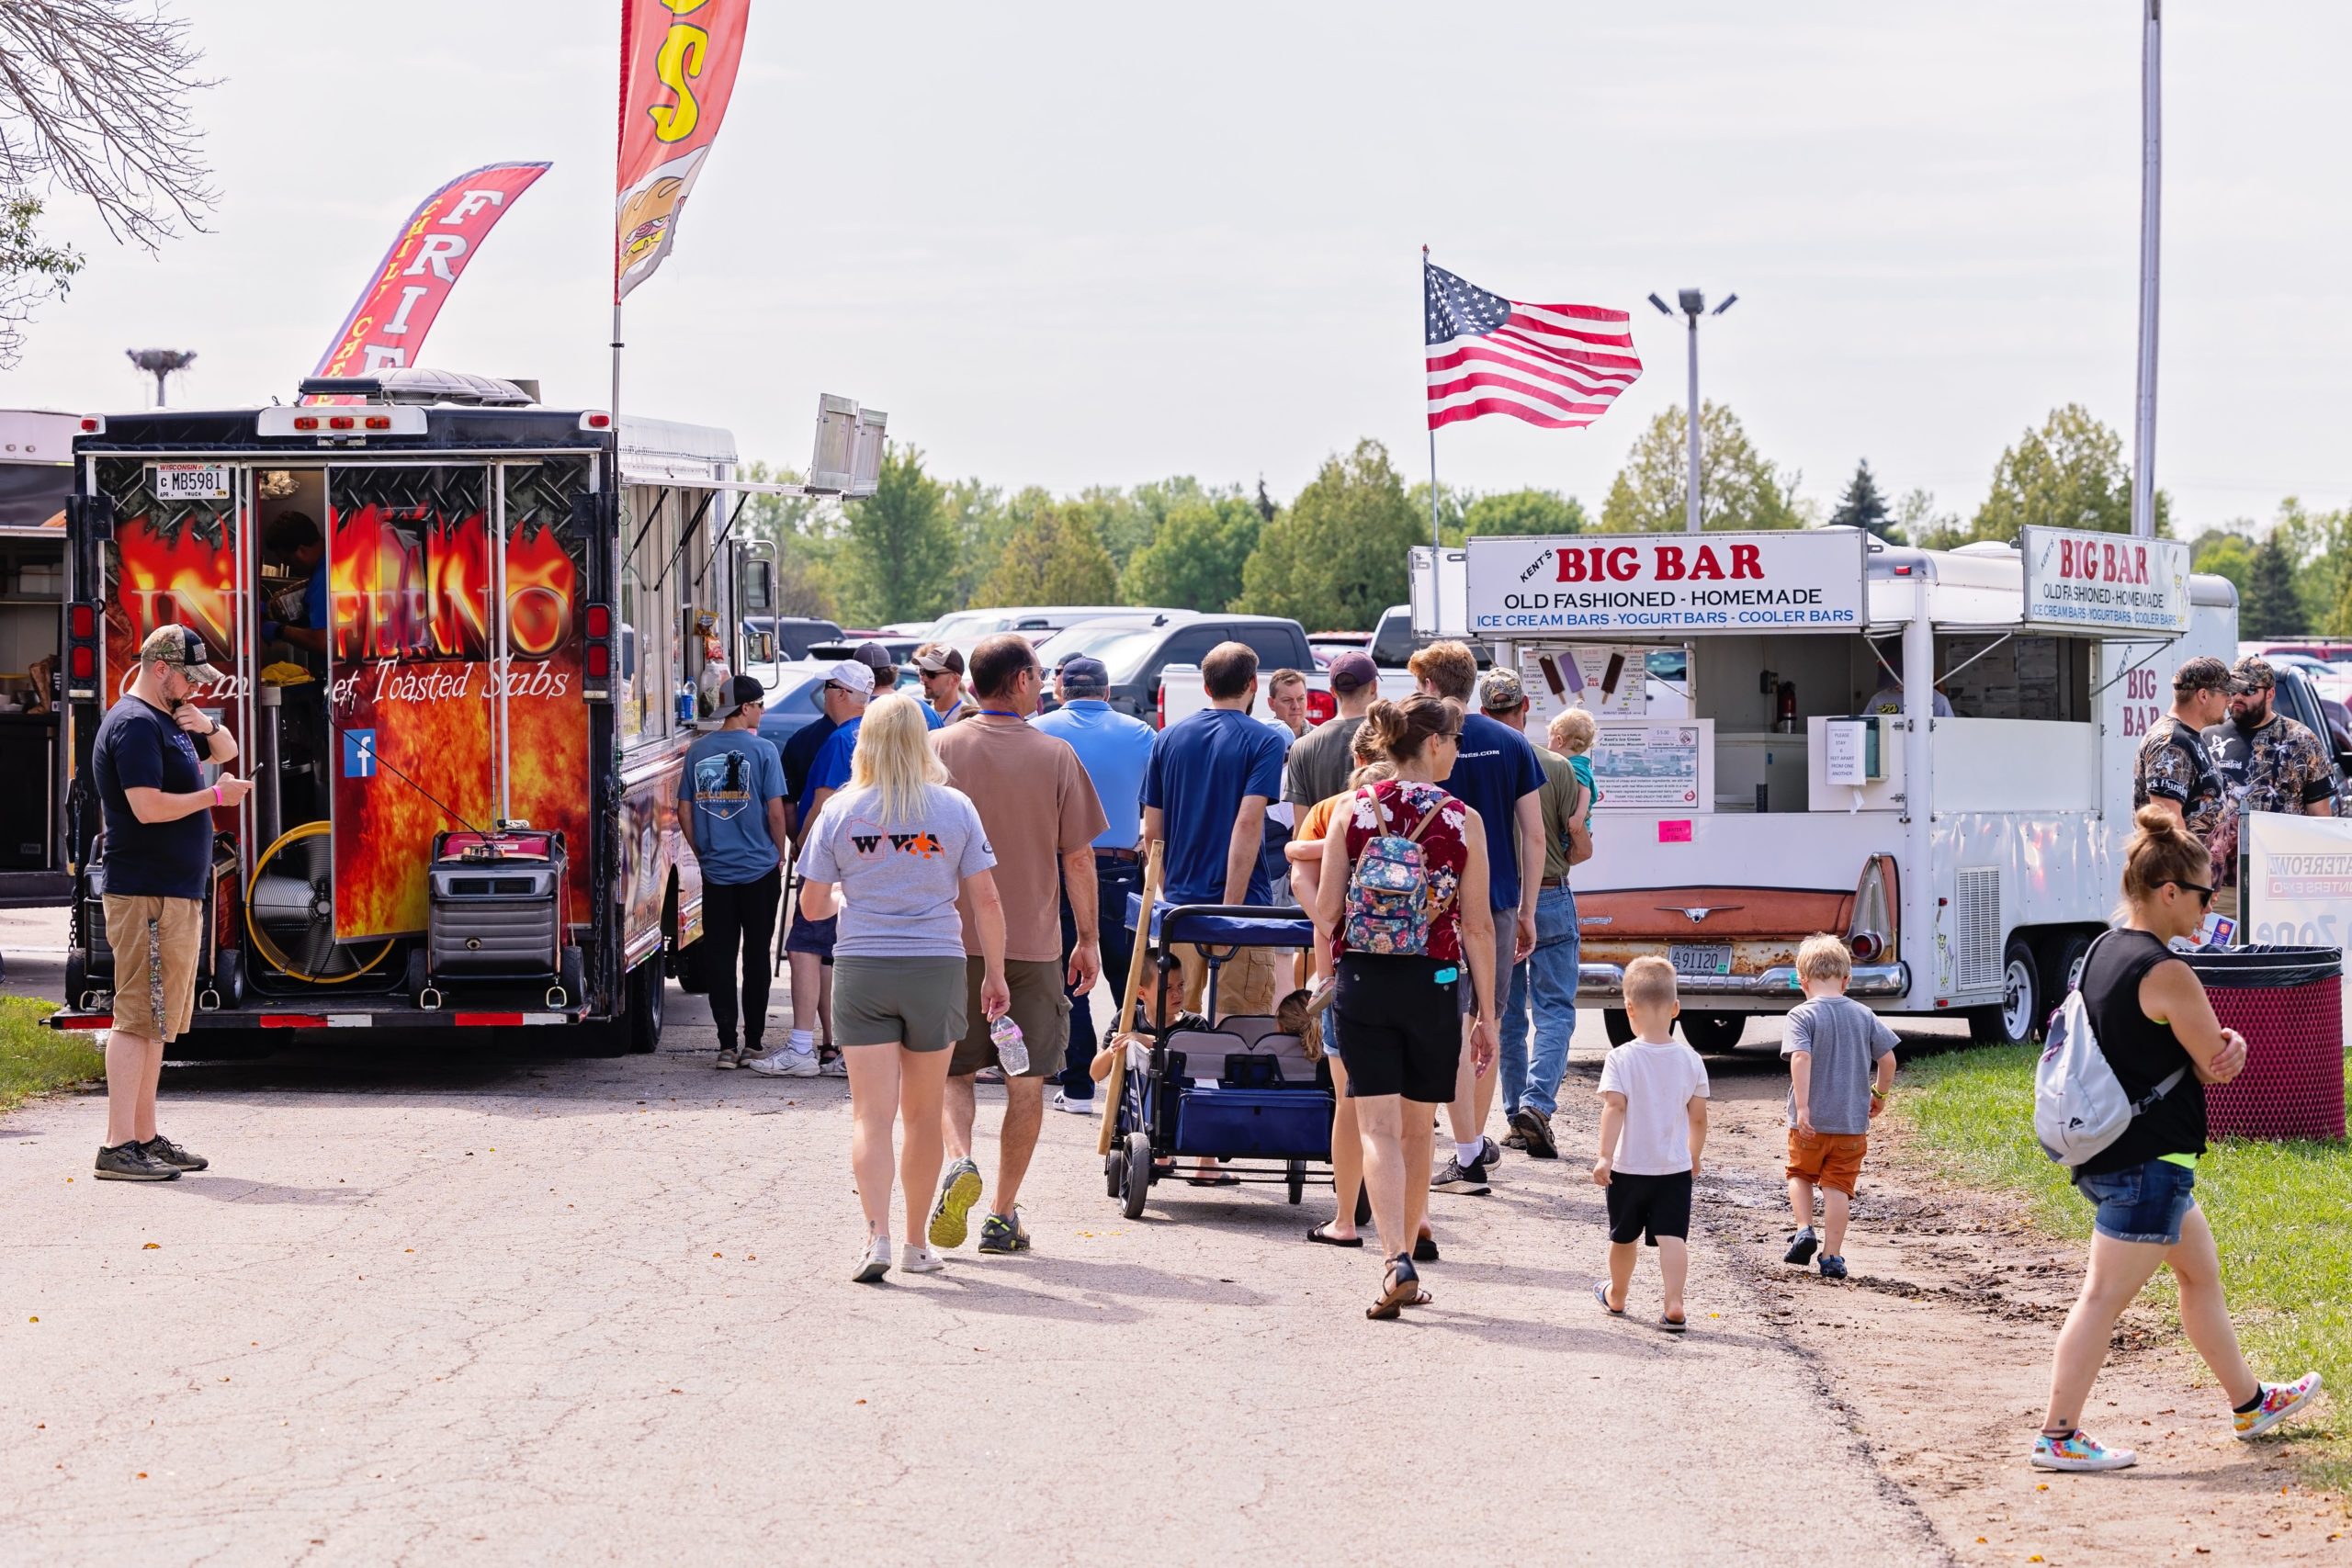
{"x": 2074, "y": 578}
{"x": 1666, "y": 583}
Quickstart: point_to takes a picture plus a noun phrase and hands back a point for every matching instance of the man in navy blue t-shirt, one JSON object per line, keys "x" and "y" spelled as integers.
{"x": 1497, "y": 775}
{"x": 147, "y": 762}
{"x": 1204, "y": 797}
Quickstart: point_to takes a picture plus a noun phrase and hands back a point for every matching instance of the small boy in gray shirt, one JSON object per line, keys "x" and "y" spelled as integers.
{"x": 1841, "y": 1063}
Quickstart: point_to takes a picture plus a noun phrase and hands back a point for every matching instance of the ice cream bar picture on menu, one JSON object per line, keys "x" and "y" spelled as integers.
{"x": 1561, "y": 679}
{"x": 1610, "y": 677}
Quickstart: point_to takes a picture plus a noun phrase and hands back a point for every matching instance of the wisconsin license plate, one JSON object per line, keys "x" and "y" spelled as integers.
{"x": 1700, "y": 958}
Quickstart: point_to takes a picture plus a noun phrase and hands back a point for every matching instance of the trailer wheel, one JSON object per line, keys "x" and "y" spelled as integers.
{"x": 2066, "y": 969}
{"x": 1616, "y": 1025}
{"x": 647, "y": 988}
{"x": 2017, "y": 1018}
{"x": 1714, "y": 1031}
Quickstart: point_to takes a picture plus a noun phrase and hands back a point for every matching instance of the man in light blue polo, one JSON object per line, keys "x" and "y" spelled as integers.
{"x": 1115, "y": 750}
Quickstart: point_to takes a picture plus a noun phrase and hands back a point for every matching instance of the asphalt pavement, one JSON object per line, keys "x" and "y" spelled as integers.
{"x": 462, "y": 1305}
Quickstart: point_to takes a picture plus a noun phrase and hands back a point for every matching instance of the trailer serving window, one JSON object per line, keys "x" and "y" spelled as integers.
{"x": 648, "y": 662}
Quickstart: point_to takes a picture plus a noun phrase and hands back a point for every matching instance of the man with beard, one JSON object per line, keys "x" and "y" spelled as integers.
{"x": 2267, "y": 763}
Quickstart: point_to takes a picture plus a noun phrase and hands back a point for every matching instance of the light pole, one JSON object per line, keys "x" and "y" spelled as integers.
{"x": 2143, "y": 423}
{"x": 1693, "y": 304}
{"x": 160, "y": 362}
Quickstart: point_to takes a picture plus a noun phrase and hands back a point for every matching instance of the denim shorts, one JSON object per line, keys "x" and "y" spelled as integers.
{"x": 2141, "y": 1202}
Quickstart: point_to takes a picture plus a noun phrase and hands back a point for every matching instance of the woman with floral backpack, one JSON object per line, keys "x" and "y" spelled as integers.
{"x": 1404, "y": 895}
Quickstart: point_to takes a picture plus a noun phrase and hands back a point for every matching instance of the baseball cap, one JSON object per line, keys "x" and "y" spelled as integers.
{"x": 2251, "y": 674}
{"x": 876, "y": 658}
{"x": 1082, "y": 673}
{"x": 1501, "y": 693}
{"x": 180, "y": 648}
{"x": 853, "y": 673}
{"x": 1353, "y": 672}
{"x": 2203, "y": 674}
{"x": 744, "y": 688}
{"x": 939, "y": 659}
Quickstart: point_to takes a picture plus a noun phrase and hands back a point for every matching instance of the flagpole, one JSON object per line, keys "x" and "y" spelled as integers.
{"x": 1436, "y": 544}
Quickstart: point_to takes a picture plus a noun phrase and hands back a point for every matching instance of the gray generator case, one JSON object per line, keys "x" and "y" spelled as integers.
{"x": 495, "y": 909}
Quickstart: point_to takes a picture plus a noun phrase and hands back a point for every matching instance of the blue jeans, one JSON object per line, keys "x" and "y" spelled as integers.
{"x": 1548, "y": 979}
{"x": 1114, "y": 880}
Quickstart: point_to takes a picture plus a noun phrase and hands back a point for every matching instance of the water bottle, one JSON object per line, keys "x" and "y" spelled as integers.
{"x": 685, "y": 701}
{"x": 1012, "y": 1051}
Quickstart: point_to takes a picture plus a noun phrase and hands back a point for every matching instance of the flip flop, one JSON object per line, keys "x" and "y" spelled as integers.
{"x": 1671, "y": 1324}
{"x": 1322, "y": 1234}
{"x": 1600, "y": 1294}
{"x": 1212, "y": 1182}
{"x": 1425, "y": 1249}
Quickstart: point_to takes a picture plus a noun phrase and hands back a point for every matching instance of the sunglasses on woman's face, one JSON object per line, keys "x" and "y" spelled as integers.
{"x": 2204, "y": 894}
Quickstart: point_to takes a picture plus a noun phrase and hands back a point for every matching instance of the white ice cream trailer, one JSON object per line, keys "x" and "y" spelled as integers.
{"x": 1967, "y": 856}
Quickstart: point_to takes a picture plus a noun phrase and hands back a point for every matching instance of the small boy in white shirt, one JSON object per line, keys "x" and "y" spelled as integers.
{"x": 1653, "y": 1126}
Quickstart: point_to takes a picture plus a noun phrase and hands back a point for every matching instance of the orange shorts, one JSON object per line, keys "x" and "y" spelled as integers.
{"x": 1827, "y": 1159}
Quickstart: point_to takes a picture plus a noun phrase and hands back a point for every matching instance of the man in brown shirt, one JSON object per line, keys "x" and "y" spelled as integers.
{"x": 1042, "y": 817}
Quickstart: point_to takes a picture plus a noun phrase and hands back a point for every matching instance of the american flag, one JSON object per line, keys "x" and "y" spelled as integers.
{"x": 1556, "y": 365}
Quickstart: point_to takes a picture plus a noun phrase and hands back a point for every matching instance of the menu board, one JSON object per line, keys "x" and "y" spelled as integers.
{"x": 1605, "y": 681}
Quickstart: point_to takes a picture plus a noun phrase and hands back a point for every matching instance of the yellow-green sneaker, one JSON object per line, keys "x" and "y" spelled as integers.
{"x": 950, "y": 1216}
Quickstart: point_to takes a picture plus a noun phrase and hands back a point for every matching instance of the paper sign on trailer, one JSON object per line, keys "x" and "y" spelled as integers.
{"x": 1806, "y": 579}
{"x": 2077, "y": 579}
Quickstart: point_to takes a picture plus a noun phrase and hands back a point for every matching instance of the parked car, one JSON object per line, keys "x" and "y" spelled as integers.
{"x": 1393, "y": 641}
{"x": 1136, "y": 654}
{"x": 2296, "y": 698}
{"x": 794, "y": 634}
{"x": 964, "y": 628}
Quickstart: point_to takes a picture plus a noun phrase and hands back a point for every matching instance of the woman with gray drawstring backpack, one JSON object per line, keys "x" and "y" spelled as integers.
{"x": 2149, "y": 1015}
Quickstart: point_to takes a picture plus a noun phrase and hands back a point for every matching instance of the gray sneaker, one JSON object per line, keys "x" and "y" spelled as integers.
{"x": 162, "y": 1151}
{"x": 1002, "y": 1235}
{"x": 132, "y": 1162}
{"x": 729, "y": 1059}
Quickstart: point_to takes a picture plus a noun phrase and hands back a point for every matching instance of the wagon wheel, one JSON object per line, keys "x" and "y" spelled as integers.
{"x": 1297, "y": 1171}
{"x": 1139, "y": 1173}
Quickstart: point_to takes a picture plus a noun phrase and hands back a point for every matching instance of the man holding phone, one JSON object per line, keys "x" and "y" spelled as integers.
{"x": 148, "y": 761}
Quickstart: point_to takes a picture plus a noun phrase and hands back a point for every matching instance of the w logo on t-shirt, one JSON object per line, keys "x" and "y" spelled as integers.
{"x": 926, "y": 845}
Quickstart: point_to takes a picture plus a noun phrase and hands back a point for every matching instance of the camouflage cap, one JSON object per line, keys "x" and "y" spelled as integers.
{"x": 1501, "y": 691}
{"x": 2251, "y": 674}
{"x": 182, "y": 649}
{"x": 2203, "y": 674}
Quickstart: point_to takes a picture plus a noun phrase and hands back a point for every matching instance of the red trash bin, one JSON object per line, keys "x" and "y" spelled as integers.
{"x": 2287, "y": 1002}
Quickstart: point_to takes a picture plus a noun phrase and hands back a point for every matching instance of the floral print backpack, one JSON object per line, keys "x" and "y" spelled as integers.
{"x": 1389, "y": 907}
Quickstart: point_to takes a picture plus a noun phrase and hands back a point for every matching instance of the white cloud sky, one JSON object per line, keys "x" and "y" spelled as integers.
{"x": 1073, "y": 243}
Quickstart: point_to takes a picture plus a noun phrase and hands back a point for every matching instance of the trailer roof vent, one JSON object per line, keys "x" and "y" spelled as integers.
{"x": 420, "y": 385}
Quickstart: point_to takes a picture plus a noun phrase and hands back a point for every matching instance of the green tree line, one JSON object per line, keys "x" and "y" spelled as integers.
{"x": 1334, "y": 555}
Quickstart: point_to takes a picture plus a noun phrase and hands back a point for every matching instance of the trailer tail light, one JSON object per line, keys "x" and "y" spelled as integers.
{"x": 595, "y": 419}
{"x": 1159, "y": 707}
{"x": 94, "y": 424}
{"x": 596, "y": 662}
{"x": 306, "y": 422}
{"x": 1871, "y": 935}
{"x": 82, "y": 651}
{"x": 1322, "y": 707}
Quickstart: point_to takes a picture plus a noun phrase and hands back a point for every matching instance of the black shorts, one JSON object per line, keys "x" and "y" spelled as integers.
{"x": 1402, "y": 1025}
{"x": 1644, "y": 1208}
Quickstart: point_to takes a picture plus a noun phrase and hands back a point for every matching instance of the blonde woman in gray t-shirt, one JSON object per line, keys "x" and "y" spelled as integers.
{"x": 889, "y": 854}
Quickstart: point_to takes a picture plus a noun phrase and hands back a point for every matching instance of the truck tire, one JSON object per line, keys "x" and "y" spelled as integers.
{"x": 1713, "y": 1032}
{"x": 2017, "y": 1017}
{"x": 2064, "y": 967}
{"x": 1616, "y": 1025}
{"x": 647, "y": 989}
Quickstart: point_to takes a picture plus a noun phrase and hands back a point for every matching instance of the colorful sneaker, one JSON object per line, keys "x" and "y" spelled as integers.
{"x": 2078, "y": 1451}
{"x": 1002, "y": 1236}
{"x": 1802, "y": 1247}
{"x": 2279, "y": 1400}
{"x": 162, "y": 1151}
{"x": 950, "y": 1216}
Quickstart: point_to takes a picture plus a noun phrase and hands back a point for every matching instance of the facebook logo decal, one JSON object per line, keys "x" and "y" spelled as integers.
{"x": 359, "y": 753}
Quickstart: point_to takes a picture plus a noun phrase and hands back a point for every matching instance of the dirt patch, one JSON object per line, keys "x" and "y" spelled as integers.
{"x": 1938, "y": 1351}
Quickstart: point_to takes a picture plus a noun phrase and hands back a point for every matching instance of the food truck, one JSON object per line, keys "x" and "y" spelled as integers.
{"x": 1961, "y": 832}
{"x": 466, "y": 739}
{"x": 36, "y": 473}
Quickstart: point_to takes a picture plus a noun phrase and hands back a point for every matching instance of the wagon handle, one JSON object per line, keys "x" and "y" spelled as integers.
{"x": 1116, "y": 1084}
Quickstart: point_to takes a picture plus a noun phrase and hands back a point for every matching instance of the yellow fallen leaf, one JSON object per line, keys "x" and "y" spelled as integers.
{"x": 152, "y": 1246}
{"x": 2042, "y": 1486}
{"x": 142, "y": 1476}
{"x": 718, "y": 1255}
{"x": 32, "y": 1320}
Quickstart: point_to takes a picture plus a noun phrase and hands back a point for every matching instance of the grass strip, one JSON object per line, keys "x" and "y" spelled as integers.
{"x": 36, "y": 1059}
{"x": 2280, "y": 1212}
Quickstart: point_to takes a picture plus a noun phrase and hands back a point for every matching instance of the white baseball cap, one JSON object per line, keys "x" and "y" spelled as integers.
{"x": 857, "y": 677}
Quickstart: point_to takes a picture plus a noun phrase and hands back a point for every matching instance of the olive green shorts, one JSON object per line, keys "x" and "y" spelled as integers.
{"x": 914, "y": 1002}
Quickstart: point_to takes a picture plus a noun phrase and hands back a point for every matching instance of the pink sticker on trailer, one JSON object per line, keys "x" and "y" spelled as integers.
{"x": 1674, "y": 832}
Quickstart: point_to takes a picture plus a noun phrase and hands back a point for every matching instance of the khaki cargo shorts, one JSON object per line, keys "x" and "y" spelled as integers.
{"x": 155, "y": 941}
{"x": 1038, "y": 1007}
